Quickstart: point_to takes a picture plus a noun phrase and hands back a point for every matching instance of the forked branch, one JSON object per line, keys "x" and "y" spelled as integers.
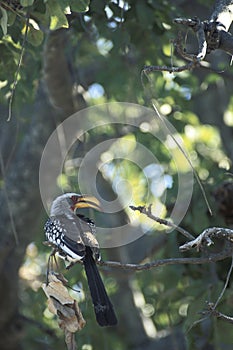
{"x": 211, "y": 35}
{"x": 203, "y": 240}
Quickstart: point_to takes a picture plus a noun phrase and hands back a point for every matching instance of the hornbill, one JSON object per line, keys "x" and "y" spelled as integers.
{"x": 73, "y": 235}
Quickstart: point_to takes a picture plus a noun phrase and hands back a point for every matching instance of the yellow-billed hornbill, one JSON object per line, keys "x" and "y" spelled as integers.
{"x": 73, "y": 235}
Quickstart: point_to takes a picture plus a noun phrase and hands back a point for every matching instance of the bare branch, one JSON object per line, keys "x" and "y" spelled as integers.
{"x": 225, "y": 285}
{"x": 211, "y": 311}
{"x": 211, "y": 34}
{"x": 202, "y": 240}
{"x": 148, "y": 213}
{"x": 194, "y": 60}
{"x": 172, "y": 261}
{"x": 211, "y": 307}
{"x": 205, "y": 238}
{"x": 199, "y": 28}
{"x": 151, "y": 69}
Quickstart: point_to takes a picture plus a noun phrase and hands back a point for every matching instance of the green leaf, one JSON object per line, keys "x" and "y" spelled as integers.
{"x": 26, "y": 3}
{"x": 79, "y": 5}
{"x": 57, "y": 16}
{"x": 42, "y": 18}
{"x": 3, "y": 21}
{"x": 11, "y": 18}
{"x": 35, "y": 36}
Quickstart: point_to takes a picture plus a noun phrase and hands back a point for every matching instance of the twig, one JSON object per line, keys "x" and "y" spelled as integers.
{"x": 185, "y": 155}
{"x": 207, "y": 38}
{"x": 199, "y": 28}
{"x": 225, "y": 285}
{"x": 150, "y": 69}
{"x": 205, "y": 238}
{"x": 211, "y": 311}
{"x": 148, "y": 213}
{"x": 190, "y": 22}
{"x": 172, "y": 261}
{"x": 211, "y": 307}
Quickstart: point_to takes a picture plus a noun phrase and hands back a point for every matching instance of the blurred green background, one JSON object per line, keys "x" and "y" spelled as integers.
{"x": 76, "y": 55}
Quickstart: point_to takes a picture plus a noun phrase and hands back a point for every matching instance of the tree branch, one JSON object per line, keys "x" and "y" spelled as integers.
{"x": 148, "y": 213}
{"x": 226, "y": 253}
{"x": 211, "y": 34}
{"x": 211, "y": 311}
{"x": 205, "y": 238}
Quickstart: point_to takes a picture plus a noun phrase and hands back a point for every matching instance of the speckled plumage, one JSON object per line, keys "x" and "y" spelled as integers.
{"x": 74, "y": 237}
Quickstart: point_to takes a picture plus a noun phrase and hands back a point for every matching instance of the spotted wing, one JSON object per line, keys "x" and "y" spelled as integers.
{"x": 65, "y": 235}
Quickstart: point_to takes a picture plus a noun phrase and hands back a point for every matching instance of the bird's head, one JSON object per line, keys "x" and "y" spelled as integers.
{"x": 70, "y": 202}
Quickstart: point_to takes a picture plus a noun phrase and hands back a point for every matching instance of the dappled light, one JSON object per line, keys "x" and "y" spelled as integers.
{"x": 116, "y": 181}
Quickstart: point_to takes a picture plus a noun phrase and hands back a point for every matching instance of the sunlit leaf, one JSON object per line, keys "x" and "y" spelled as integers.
{"x": 3, "y": 21}
{"x": 57, "y": 16}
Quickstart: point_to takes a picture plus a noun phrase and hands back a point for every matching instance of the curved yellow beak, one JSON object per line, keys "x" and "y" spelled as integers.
{"x": 86, "y": 201}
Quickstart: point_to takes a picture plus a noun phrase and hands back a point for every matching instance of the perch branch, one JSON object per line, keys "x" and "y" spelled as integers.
{"x": 205, "y": 238}
{"x": 172, "y": 261}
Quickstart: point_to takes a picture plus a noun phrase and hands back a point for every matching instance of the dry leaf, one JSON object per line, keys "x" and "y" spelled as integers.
{"x": 60, "y": 303}
{"x": 56, "y": 288}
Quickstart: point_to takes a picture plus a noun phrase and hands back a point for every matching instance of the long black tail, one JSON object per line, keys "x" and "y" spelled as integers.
{"x": 104, "y": 312}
